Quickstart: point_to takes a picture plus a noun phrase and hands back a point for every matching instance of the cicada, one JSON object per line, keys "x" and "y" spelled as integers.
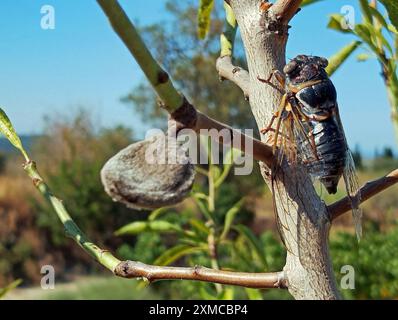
{"x": 308, "y": 127}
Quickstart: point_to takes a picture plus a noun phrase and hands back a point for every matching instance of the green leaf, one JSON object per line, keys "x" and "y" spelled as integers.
{"x": 199, "y": 226}
{"x": 175, "y": 253}
{"x": 340, "y": 57}
{"x": 392, "y": 29}
{"x": 156, "y": 213}
{"x": 337, "y": 22}
{"x": 203, "y": 207}
{"x": 8, "y": 130}
{"x": 226, "y": 294}
{"x": 11, "y": 286}
{"x": 228, "y": 161}
{"x": 229, "y": 218}
{"x": 253, "y": 242}
{"x": 138, "y": 227}
{"x": 363, "y": 57}
{"x": 253, "y": 294}
{"x": 215, "y": 171}
{"x": 365, "y": 32}
{"x": 378, "y": 16}
{"x": 132, "y": 228}
{"x": 365, "y": 8}
{"x": 205, "y": 295}
{"x": 392, "y": 10}
{"x": 205, "y": 9}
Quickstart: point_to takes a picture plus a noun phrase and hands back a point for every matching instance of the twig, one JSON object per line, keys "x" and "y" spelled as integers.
{"x": 285, "y": 10}
{"x": 158, "y": 78}
{"x": 261, "y": 151}
{"x": 224, "y": 65}
{"x": 175, "y": 103}
{"x": 237, "y": 75}
{"x": 369, "y": 190}
{"x": 133, "y": 269}
{"x": 104, "y": 257}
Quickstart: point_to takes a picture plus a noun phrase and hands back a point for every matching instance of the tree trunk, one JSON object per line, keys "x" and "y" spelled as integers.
{"x": 302, "y": 214}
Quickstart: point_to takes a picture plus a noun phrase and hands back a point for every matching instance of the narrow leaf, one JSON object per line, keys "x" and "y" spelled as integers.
{"x": 392, "y": 10}
{"x": 156, "y": 213}
{"x": 378, "y": 16}
{"x": 138, "y": 227}
{"x": 226, "y": 294}
{"x": 363, "y": 57}
{"x": 204, "y": 13}
{"x": 229, "y": 218}
{"x": 11, "y": 286}
{"x": 340, "y": 57}
{"x": 8, "y": 130}
{"x": 175, "y": 253}
{"x": 199, "y": 227}
{"x": 337, "y": 22}
{"x": 205, "y": 295}
{"x": 253, "y": 294}
{"x": 365, "y": 8}
{"x": 392, "y": 29}
{"x": 253, "y": 242}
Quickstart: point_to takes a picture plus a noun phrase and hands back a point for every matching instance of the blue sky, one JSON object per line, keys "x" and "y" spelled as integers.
{"x": 83, "y": 63}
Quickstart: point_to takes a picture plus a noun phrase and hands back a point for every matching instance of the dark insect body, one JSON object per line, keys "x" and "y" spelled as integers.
{"x": 308, "y": 126}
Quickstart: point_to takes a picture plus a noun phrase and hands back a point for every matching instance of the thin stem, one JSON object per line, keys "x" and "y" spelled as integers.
{"x": 224, "y": 65}
{"x": 211, "y": 239}
{"x": 227, "y": 38}
{"x": 285, "y": 10}
{"x": 133, "y": 269}
{"x": 72, "y": 230}
{"x": 158, "y": 78}
{"x": 369, "y": 190}
{"x": 172, "y": 100}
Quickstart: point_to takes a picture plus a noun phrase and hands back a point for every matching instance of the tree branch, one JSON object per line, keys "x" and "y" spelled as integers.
{"x": 284, "y": 10}
{"x": 224, "y": 65}
{"x": 158, "y": 78}
{"x": 369, "y": 190}
{"x": 133, "y": 269}
{"x": 175, "y": 103}
{"x": 237, "y": 75}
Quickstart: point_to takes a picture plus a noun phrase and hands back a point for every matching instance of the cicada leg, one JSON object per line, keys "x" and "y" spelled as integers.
{"x": 279, "y": 76}
{"x": 269, "y": 127}
{"x": 303, "y": 85}
{"x": 276, "y": 115}
{"x": 278, "y": 126}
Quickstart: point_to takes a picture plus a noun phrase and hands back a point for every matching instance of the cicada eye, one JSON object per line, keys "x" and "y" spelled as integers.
{"x": 323, "y": 62}
{"x": 290, "y": 67}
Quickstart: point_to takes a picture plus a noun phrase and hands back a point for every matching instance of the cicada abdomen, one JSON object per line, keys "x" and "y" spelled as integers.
{"x": 322, "y": 145}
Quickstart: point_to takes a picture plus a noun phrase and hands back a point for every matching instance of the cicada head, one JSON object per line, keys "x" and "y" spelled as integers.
{"x": 305, "y": 68}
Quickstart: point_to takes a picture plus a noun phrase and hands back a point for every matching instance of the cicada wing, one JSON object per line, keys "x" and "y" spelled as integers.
{"x": 354, "y": 193}
{"x": 352, "y": 184}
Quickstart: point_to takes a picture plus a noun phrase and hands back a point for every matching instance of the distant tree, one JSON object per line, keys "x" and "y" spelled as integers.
{"x": 192, "y": 61}
{"x": 357, "y": 156}
{"x": 388, "y": 153}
